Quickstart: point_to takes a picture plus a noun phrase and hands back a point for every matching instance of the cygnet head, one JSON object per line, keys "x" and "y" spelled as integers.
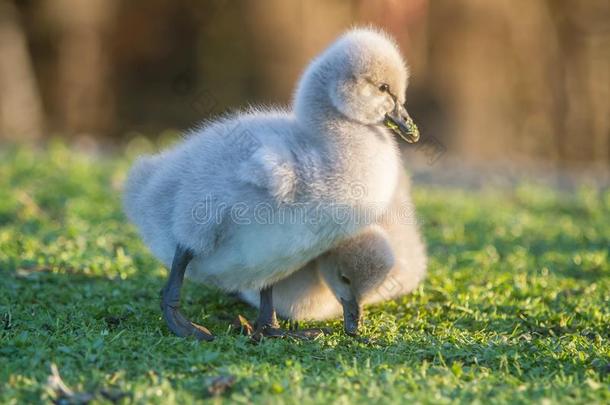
{"x": 362, "y": 78}
{"x": 355, "y": 272}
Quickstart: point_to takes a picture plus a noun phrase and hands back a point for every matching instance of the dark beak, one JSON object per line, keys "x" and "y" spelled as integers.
{"x": 402, "y": 124}
{"x": 351, "y": 316}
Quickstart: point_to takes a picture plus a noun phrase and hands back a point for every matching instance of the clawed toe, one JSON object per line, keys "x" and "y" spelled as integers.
{"x": 270, "y": 332}
{"x": 311, "y": 333}
{"x": 182, "y": 327}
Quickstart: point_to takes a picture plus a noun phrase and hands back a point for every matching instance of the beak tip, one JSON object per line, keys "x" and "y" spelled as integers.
{"x": 351, "y": 328}
{"x": 351, "y": 317}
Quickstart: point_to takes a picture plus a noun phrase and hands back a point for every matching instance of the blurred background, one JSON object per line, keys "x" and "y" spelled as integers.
{"x": 519, "y": 81}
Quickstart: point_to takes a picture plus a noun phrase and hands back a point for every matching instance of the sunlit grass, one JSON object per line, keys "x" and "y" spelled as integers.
{"x": 515, "y": 308}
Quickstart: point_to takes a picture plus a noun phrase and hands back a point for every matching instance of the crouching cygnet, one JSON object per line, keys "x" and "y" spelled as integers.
{"x": 384, "y": 261}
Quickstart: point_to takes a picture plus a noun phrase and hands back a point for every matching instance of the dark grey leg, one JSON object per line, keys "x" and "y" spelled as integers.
{"x": 266, "y": 315}
{"x": 267, "y": 324}
{"x": 170, "y": 300}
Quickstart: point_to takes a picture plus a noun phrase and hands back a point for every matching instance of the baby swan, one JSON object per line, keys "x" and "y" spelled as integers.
{"x": 245, "y": 201}
{"x": 384, "y": 261}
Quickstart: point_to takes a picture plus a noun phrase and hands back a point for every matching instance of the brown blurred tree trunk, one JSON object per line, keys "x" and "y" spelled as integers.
{"x": 286, "y": 34}
{"x": 492, "y": 61}
{"x": 84, "y": 92}
{"x": 585, "y": 46}
{"x": 21, "y": 115}
{"x": 524, "y": 79}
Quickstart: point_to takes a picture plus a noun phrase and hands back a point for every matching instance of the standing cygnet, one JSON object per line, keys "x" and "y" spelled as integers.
{"x": 245, "y": 201}
{"x": 384, "y": 261}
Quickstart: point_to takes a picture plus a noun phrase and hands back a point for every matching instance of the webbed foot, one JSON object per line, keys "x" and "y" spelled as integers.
{"x": 181, "y": 326}
{"x": 271, "y": 332}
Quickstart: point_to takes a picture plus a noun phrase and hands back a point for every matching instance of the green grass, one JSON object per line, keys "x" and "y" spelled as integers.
{"x": 515, "y": 308}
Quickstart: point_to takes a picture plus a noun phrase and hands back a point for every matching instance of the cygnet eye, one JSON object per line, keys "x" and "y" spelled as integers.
{"x": 384, "y": 87}
{"x": 344, "y": 279}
